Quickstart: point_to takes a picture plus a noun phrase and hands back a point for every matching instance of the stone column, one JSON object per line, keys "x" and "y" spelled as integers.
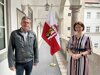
{"x": 59, "y": 26}
{"x": 75, "y": 12}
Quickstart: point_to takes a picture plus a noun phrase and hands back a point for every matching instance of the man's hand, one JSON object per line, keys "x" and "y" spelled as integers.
{"x": 12, "y": 68}
{"x": 35, "y": 64}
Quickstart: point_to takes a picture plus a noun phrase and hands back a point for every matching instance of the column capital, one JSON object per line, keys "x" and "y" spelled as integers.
{"x": 75, "y": 7}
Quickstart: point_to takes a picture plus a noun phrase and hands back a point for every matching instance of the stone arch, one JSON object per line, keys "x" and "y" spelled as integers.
{"x": 73, "y": 6}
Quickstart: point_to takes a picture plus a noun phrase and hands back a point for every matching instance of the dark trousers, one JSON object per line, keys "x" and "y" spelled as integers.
{"x": 20, "y": 67}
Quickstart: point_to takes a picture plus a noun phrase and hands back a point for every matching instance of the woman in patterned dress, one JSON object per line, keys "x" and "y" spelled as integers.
{"x": 79, "y": 46}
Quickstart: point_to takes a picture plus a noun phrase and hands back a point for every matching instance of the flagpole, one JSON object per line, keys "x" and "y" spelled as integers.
{"x": 50, "y": 35}
{"x": 53, "y": 64}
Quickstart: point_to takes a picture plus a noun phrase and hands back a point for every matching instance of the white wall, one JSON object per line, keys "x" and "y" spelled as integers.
{"x": 14, "y": 4}
{"x": 66, "y": 21}
{"x": 17, "y": 4}
{"x": 92, "y": 22}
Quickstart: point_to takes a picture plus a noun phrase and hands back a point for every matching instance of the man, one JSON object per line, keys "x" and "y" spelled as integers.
{"x": 23, "y": 49}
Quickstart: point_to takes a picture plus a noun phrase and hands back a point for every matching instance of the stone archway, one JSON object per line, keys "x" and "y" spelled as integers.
{"x": 74, "y": 7}
{"x": 68, "y": 14}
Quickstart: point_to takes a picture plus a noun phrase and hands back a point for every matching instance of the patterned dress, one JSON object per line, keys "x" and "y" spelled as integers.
{"x": 79, "y": 66}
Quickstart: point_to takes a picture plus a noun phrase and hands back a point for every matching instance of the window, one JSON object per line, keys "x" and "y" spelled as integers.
{"x": 88, "y": 15}
{"x": 2, "y": 38}
{"x": 87, "y": 29}
{"x": 98, "y": 15}
{"x": 2, "y": 26}
{"x": 68, "y": 28}
{"x": 69, "y": 14}
{"x": 97, "y": 28}
{"x": 95, "y": 45}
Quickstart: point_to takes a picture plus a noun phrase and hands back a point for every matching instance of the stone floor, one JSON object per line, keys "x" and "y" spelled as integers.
{"x": 43, "y": 67}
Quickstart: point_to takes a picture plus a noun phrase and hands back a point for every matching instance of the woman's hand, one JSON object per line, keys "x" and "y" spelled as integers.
{"x": 76, "y": 56}
{"x": 85, "y": 53}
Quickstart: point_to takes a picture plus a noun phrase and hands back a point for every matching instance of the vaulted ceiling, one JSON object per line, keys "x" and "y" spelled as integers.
{"x": 38, "y": 7}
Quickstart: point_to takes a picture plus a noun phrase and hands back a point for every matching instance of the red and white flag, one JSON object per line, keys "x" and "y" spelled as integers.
{"x": 50, "y": 33}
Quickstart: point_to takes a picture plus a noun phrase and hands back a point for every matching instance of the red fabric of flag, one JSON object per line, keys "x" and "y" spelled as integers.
{"x": 50, "y": 35}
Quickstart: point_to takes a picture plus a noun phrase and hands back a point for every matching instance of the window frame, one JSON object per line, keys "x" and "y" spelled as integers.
{"x": 97, "y": 29}
{"x": 4, "y": 27}
{"x": 98, "y": 15}
{"x": 88, "y": 29}
{"x": 96, "y": 45}
{"x": 88, "y": 15}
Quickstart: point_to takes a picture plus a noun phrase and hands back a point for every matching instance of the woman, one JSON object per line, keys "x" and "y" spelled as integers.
{"x": 79, "y": 46}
